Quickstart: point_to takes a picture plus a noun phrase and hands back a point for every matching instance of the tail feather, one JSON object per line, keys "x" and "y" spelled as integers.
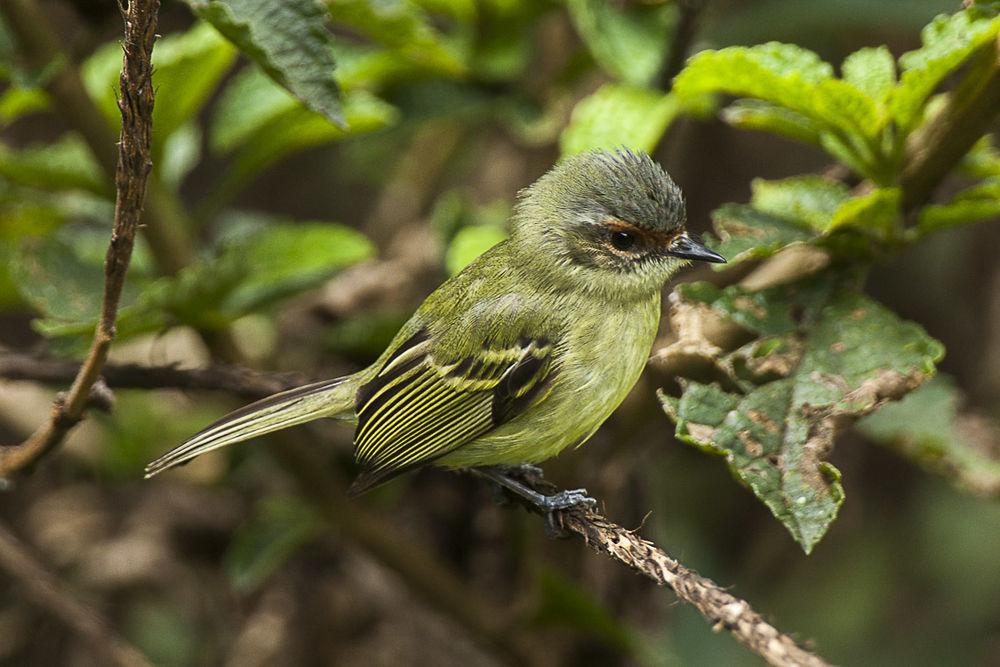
{"x": 328, "y": 398}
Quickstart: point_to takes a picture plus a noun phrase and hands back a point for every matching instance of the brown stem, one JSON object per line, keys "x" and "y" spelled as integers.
{"x": 45, "y": 589}
{"x": 39, "y": 42}
{"x": 936, "y": 148}
{"x": 136, "y": 105}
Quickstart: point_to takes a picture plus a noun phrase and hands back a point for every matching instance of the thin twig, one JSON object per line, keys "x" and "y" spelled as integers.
{"x": 723, "y": 610}
{"x": 38, "y": 40}
{"x": 45, "y": 589}
{"x": 136, "y": 105}
{"x": 234, "y": 380}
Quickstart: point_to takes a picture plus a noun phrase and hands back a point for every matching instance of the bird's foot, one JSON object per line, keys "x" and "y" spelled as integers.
{"x": 509, "y": 479}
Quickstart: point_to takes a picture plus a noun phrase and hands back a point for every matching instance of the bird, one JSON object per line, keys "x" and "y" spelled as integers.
{"x": 523, "y": 353}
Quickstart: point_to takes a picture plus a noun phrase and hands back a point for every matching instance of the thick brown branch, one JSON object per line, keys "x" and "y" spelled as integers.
{"x": 44, "y": 589}
{"x": 136, "y": 105}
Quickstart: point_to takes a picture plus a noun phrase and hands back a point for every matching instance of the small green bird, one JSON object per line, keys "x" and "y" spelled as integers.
{"x": 525, "y": 352}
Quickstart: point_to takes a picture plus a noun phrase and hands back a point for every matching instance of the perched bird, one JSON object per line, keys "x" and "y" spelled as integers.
{"x": 525, "y": 352}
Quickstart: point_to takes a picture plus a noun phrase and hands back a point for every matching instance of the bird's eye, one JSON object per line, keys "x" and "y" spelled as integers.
{"x": 623, "y": 241}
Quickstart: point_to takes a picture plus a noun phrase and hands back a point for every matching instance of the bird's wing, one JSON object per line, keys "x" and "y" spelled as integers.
{"x": 421, "y": 406}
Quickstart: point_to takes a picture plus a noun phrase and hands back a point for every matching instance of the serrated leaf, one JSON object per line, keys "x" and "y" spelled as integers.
{"x": 402, "y": 26}
{"x": 617, "y": 115}
{"x": 929, "y": 427}
{"x": 876, "y": 213}
{"x": 975, "y": 204}
{"x": 808, "y": 200}
{"x": 278, "y": 527}
{"x": 629, "y": 42}
{"x": 871, "y": 70}
{"x": 288, "y": 40}
{"x": 745, "y": 233}
{"x": 947, "y": 42}
{"x": 65, "y": 164}
{"x": 841, "y": 356}
{"x": 186, "y": 69}
{"x": 789, "y": 76}
{"x": 767, "y": 117}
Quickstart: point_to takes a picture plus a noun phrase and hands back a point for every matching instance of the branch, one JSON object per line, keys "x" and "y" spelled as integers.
{"x": 938, "y": 146}
{"x": 136, "y": 105}
{"x": 722, "y": 609}
{"x": 44, "y": 589}
{"x": 234, "y": 380}
{"x": 40, "y": 43}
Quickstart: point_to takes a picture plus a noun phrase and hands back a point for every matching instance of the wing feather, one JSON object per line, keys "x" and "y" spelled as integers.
{"x": 420, "y": 407}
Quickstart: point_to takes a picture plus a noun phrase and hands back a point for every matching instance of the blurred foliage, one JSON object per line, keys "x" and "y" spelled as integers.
{"x": 248, "y": 85}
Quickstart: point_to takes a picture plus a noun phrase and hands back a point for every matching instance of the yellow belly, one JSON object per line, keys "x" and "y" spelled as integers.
{"x": 590, "y": 384}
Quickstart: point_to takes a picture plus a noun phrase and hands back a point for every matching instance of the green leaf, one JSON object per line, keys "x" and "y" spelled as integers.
{"x": 181, "y": 153}
{"x": 471, "y": 242}
{"x": 186, "y": 69}
{"x": 65, "y": 164}
{"x": 980, "y": 202}
{"x": 402, "y": 26}
{"x": 17, "y": 102}
{"x": 788, "y": 76}
{"x": 826, "y": 356}
{"x": 929, "y": 427}
{"x": 628, "y": 41}
{"x": 807, "y": 200}
{"x": 62, "y": 278}
{"x": 278, "y": 527}
{"x": 745, "y": 233}
{"x": 767, "y": 117}
{"x": 288, "y": 40}
{"x": 876, "y": 212}
{"x": 261, "y": 261}
{"x": 871, "y": 70}
{"x": 616, "y": 116}
{"x": 296, "y": 128}
{"x": 947, "y": 42}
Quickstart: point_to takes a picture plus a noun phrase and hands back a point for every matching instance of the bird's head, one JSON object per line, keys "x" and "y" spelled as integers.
{"x": 610, "y": 222}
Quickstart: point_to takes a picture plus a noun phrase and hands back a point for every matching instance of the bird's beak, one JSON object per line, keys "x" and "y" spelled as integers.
{"x": 686, "y": 247}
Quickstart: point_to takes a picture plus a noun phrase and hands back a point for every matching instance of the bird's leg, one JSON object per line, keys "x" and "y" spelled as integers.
{"x": 510, "y": 478}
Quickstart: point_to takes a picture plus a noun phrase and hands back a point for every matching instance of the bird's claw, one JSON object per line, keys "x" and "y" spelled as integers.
{"x": 565, "y": 500}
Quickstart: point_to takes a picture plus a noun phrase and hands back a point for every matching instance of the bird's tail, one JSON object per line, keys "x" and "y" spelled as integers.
{"x": 330, "y": 398}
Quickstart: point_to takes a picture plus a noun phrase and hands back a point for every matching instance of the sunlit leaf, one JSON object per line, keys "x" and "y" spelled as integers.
{"x": 629, "y": 41}
{"x": 980, "y": 202}
{"x": 810, "y": 200}
{"x": 947, "y": 42}
{"x": 402, "y": 26}
{"x": 471, "y": 242}
{"x": 872, "y": 71}
{"x": 616, "y": 116}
